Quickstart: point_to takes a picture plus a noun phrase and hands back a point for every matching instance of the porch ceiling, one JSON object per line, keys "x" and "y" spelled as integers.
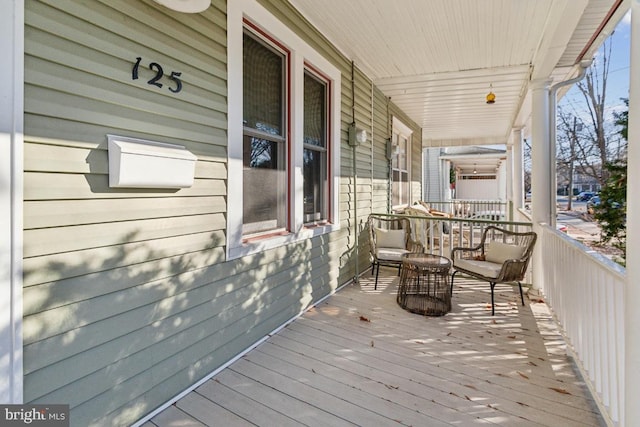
{"x": 438, "y": 59}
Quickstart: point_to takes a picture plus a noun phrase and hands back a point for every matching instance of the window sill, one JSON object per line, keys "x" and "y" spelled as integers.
{"x": 257, "y": 245}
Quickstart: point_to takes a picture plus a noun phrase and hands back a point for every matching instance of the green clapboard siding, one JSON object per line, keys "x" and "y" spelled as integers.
{"x": 128, "y": 296}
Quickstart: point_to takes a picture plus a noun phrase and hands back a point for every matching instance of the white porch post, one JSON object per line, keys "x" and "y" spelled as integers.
{"x": 11, "y": 139}
{"x": 509, "y": 173}
{"x": 540, "y": 167}
{"x": 518, "y": 170}
{"x": 632, "y": 297}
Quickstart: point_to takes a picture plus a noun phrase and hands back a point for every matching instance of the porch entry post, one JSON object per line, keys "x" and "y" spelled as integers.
{"x": 11, "y": 196}
{"x": 509, "y": 180}
{"x": 518, "y": 169}
{"x": 632, "y": 287}
{"x": 541, "y": 166}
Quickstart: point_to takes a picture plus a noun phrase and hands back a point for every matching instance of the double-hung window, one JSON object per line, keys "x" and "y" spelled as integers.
{"x": 315, "y": 152}
{"x": 283, "y": 134}
{"x": 265, "y": 144}
{"x": 400, "y": 143}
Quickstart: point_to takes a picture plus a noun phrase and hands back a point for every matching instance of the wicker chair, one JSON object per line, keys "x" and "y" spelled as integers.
{"x": 389, "y": 239}
{"x": 501, "y": 257}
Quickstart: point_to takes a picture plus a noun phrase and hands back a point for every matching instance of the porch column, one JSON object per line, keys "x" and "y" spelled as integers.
{"x": 540, "y": 175}
{"x": 11, "y": 167}
{"x": 509, "y": 172}
{"x": 632, "y": 297}
{"x": 518, "y": 169}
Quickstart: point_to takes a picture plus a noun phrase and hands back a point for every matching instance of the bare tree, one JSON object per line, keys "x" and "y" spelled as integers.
{"x": 587, "y": 137}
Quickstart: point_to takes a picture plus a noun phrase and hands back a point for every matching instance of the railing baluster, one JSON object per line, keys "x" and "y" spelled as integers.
{"x": 587, "y": 301}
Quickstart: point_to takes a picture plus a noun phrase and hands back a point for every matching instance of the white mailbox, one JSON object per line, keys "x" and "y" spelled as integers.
{"x": 137, "y": 163}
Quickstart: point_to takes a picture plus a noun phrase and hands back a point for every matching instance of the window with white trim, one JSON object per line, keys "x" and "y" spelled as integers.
{"x": 265, "y": 144}
{"x": 400, "y": 182}
{"x": 283, "y": 146}
{"x": 315, "y": 154}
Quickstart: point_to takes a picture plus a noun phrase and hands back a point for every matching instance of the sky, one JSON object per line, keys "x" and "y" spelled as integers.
{"x": 618, "y": 81}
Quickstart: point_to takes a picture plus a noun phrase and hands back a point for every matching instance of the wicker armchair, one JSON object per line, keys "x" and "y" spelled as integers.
{"x": 501, "y": 257}
{"x": 389, "y": 239}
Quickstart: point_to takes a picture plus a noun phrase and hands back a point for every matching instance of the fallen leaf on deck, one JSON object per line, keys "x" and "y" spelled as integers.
{"x": 559, "y": 390}
{"x": 467, "y": 397}
{"x": 392, "y": 387}
{"x": 449, "y": 334}
{"x": 523, "y": 375}
{"x": 532, "y": 364}
{"x": 364, "y": 319}
{"x": 470, "y": 386}
{"x": 513, "y": 337}
{"x": 371, "y": 343}
{"x": 313, "y": 370}
{"x": 523, "y": 404}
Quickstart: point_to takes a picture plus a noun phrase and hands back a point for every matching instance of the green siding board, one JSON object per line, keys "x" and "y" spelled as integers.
{"x": 51, "y": 186}
{"x": 107, "y": 29}
{"x": 142, "y": 257}
{"x": 48, "y": 102}
{"x": 45, "y": 241}
{"x": 74, "y": 133}
{"x": 126, "y": 98}
{"x": 59, "y": 213}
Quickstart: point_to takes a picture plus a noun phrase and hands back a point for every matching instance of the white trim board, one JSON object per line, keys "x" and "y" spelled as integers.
{"x": 11, "y": 196}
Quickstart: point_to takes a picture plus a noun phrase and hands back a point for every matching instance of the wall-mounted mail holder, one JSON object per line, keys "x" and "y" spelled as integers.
{"x": 137, "y": 163}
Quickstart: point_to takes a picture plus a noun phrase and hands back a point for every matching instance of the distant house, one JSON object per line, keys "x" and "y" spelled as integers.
{"x": 471, "y": 172}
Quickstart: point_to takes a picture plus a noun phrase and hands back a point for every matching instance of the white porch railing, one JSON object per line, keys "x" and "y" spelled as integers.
{"x": 495, "y": 210}
{"x": 585, "y": 292}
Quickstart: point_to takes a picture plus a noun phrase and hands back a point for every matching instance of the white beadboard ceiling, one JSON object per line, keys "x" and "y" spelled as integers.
{"x": 437, "y": 59}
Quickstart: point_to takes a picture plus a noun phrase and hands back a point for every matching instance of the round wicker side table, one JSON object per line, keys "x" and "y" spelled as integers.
{"x": 424, "y": 284}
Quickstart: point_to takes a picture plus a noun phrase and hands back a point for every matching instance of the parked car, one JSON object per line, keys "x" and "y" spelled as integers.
{"x": 561, "y": 227}
{"x": 595, "y": 202}
{"x": 585, "y": 196}
{"x": 592, "y": 203}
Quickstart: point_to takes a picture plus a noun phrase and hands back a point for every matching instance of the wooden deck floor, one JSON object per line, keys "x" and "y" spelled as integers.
{"x": 359, "y": 359}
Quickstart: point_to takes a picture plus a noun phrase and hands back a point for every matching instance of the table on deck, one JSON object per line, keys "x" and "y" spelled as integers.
{"x": 424, "y": 284}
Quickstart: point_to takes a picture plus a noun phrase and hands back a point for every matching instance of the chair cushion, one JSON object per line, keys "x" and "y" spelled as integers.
{"x": 499, "y": 252}
{"x": 390, "y": 254}
{"x": 390, "y": 238}
{"x": 483, "y": 268}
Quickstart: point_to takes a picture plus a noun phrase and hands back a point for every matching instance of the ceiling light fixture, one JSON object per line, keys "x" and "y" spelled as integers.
{"x": 491, "y": 97}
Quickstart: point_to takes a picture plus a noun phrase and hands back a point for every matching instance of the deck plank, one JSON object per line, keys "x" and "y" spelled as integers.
{"x": 174, "y": 417}
{"x": 360, "y": 359}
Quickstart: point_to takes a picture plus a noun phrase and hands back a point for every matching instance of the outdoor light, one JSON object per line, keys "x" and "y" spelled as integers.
{"x": 474, "y": 165}
{"x": 357, "y": 136}
{"x": 491, "y": 97}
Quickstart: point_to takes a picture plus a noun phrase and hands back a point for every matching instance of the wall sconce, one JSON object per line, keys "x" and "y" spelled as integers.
{"x": 186, "y": 6}
{"x": 356, "y": 136}
{"x": 474, "y": 168}
{"x": 491, "y": 97}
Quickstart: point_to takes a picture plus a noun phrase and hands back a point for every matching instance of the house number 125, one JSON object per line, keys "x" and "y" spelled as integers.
{"x": 154, "y": 66}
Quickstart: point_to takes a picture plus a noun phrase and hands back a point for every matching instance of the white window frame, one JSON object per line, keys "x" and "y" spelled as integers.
{"x": 406, "y": 132}
{"x": 300, "y": 53}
